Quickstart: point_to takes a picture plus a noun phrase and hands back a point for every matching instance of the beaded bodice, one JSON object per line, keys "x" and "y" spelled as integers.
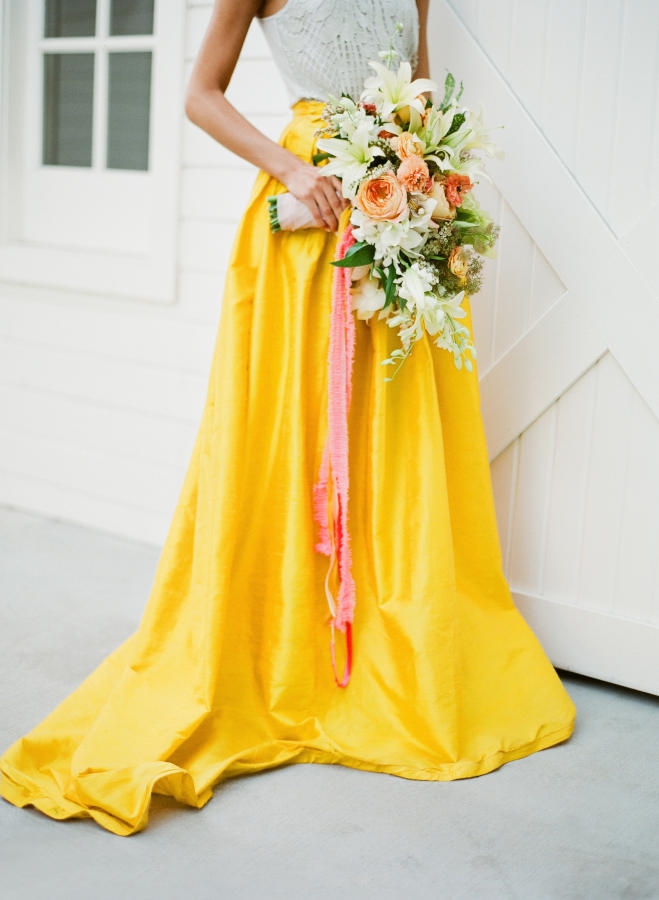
{"x": 322, "y": 47}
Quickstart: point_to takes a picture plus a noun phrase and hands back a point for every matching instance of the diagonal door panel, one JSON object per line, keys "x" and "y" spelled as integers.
{"x": 609, "y": 300}
{"x": 591, "y": 591}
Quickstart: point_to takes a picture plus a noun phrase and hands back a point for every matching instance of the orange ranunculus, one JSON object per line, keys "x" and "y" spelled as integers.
{"x": 455, "y": 186}
{"x": 413, "y": 173}
{"x": 407, "y": 144}
{"x": 383, "y": 197}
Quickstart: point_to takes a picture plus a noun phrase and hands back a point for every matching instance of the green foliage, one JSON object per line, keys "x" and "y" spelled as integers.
{"x": 389, "y": 152}
{"x": 389, "y": 286}
{"x": 449, "y": 88}
{"x": 456, "y": 122}
{"x": 359, "y": 254}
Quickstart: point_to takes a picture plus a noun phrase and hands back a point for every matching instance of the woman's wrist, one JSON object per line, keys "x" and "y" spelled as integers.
{"x": 285, "y": 165}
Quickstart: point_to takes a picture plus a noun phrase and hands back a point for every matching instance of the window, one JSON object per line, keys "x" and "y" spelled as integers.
{"x": 113, "y": 49}
{"x": 92, "y": 98}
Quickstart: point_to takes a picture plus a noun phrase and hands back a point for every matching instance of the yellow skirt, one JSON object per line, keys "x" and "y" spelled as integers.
{"x": 229, "y": 671}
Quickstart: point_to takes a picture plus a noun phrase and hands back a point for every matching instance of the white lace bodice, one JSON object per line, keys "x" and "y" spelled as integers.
{"x": 323, "y": 46}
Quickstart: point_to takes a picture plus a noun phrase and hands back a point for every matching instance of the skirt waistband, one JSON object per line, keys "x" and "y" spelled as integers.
{"x": 307, "y": 106}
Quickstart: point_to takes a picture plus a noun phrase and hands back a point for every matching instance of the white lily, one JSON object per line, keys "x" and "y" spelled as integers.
{"x": 392, "y": 90}
{"x": 478, "y": 137}
{"x": 350, "y": 158}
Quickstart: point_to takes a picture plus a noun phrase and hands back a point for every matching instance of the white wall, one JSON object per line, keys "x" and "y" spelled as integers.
{"x": 100, "y": 397}
{"x": 572, "y": 418}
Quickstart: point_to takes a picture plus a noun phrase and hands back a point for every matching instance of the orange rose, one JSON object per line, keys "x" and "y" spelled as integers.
{"x": 413, "y": 173}
{"x": 382, "y": 197}
{"x": 407, "y": 144}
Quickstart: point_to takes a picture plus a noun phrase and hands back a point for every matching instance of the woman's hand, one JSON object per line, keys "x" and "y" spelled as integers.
{"x": 320, "y": 193}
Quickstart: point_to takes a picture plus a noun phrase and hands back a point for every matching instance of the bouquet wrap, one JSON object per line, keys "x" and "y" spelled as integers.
{"x": 287, "y": 213}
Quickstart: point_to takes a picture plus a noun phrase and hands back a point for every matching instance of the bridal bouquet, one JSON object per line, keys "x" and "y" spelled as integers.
{"x": 409, "y": 168}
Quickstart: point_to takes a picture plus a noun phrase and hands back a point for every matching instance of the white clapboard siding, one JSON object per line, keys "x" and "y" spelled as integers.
{"x": 101, "y": 397}
{"x": 567, "y": 324}
{"x": 121, "y": 432}
{"x": 111, "y": 383}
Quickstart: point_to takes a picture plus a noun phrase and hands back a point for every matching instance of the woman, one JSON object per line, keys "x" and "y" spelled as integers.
{"x": 229, "y": 669}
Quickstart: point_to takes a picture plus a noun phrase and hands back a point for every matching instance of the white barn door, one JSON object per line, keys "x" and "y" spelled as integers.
{"x": 567, "y": 324}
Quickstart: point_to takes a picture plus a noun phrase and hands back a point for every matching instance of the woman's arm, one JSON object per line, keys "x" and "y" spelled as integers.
{"x": 207, "y": 107}
{"x": 423, "y": 66}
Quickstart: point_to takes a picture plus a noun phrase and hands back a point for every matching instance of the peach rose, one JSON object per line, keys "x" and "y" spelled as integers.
{"x": 407, "y": 144}
{"x": 442, "y": 210}
{"x": 382, "y": 197}
{"x": 457, "y": 262}
{"x": 413, "y": 173}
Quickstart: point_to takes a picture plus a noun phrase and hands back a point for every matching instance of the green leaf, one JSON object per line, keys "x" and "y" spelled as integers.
{"x": 456, "y": 123}
{"x": 449, "y": 86}
{"x": 389, "y": 287}
{"x": 318, "y": 157}
{"x": 360, "y": 254}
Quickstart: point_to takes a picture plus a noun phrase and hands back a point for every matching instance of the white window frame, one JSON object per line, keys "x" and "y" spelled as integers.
{"x": 118, "y": 233}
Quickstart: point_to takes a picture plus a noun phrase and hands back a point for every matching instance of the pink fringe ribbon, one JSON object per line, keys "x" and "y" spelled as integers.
{"x": 331, "y": 510}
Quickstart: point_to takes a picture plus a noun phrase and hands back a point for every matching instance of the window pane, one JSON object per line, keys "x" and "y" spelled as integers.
{"x": 70, "y": 18}
{"x": 68, "y": 91}
{"x": 131, "y": 17}
{"x": 129, "y": 105}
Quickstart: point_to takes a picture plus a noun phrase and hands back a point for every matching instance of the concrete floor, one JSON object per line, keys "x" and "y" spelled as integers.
{"x": 577, "y": 820}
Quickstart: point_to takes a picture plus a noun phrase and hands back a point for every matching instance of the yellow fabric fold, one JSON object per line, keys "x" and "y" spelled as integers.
{"x": 228, "y": 671}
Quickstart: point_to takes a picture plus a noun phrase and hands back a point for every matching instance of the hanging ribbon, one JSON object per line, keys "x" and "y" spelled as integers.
{"x": 331, "y": 506}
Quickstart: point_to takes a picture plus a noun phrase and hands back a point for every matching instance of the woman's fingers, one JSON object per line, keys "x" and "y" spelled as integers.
{"x": 339, "y": 189}
{"x": 335, "y": 202}
{"x": 329, "y": 214}
{"x": 321, "y": 194}
{"x": 316, "y": 213}
{"x": 324, "y": 204}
